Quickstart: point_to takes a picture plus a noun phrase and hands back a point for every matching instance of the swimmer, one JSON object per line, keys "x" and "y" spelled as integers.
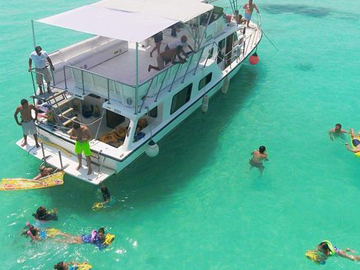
{"x": 74, "y": 265}
{"x": 327, "y": 249}
{"x": 37, "y": 234}
{"x": 336, "y": 131}
{"x": 43, "y": 171}
{"x": 105, "y": 193}
{"x": 258, "y": 157}
{"x": 44, "y": 215}
{"x": 98, "y": 238}
{"x": 355, "y": 141}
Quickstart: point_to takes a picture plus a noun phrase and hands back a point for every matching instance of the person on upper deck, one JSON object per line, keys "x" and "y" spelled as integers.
{"x": 40, "y": 57}
{"x": 249, "y": 8}
{"x": 82, "y": 136}
{"x": 157, "y": 39}
{"x": 166, "y": 57}
{"x": 180, "y": 42}
{"x": 27, "y": 121}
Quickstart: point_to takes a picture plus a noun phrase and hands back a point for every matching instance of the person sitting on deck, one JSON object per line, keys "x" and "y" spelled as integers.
{"x": 337, "y": 131}
{"x": 182, "y": 42}
{"x": 43, "y": 171}
{"x": 166, "y": 57}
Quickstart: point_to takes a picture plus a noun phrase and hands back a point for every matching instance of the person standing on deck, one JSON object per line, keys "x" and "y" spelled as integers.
{"x": 40, "y": 57}
{"x": 249, "y": 8}
{"x": 82, "y": 136}
{"x": 157, "y": 39}
{"x": 27, "y": 121}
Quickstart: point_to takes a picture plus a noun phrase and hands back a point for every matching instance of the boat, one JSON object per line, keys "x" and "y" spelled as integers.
{"x": 103, "y": 82}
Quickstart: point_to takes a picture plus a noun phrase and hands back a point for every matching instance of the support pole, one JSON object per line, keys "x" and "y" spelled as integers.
{"x": 33, "y": 32}
{"x": 137, "y": 77}
{"x": 61, "y": 164}
{"x": 43, "y": 153}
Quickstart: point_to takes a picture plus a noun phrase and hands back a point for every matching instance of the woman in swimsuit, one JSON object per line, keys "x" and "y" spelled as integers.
{"x": 355, "y": 141}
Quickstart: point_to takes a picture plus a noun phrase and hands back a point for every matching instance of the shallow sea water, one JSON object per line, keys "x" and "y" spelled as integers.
{"x": 197, "y": 205}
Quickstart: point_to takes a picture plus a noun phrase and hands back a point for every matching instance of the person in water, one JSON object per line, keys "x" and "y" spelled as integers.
{"x": 336, "y": 131}
{"x": 66, "y": 265}
{"x": 326, "y": 249}
{"x": 355, "y": 141}
{"x": 258, "y": 158}
{"x": 249, "y": 8}
{"x": 42, "y": 214}
{"x": 37, "y": 234}
{"x": 105, "y": 193}
{"x": 98, "y": 238}
{"x": 43, "y": 171}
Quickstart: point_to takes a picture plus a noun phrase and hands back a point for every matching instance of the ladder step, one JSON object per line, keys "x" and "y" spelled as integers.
{"x": 55, "y": 95}
{"x": 66, "y": 112}
{"x": 68, "y": 122}
{"x": 58, "y": 105}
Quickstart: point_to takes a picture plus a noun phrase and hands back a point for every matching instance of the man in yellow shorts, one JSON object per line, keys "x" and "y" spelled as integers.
{"x": 82, "y": 136}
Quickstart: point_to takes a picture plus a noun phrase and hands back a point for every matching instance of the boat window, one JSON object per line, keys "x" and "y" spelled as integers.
{"x": 210, "y": 53}
{"x": 181, "y": 98}
{"x": 204, "y": 81}
{"x": 153, "y": 113}
{"x": 221, "y": 51}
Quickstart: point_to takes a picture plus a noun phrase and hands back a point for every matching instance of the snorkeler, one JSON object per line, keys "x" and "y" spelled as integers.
{"x": 258, "y": 157}
{"x": 43, "y": 171}
{"x": 326, "y": 249}
{"x": 98, "y": 238}
{"x": 37, "y": 234}
{"x": 74, "y": 266}
{"x": 42, "y": 214}
{"x": 355, "y": 141}
{"x": 336, "y": 131}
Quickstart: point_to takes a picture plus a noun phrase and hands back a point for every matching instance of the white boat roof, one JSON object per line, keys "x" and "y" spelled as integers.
{"x": 129, "y": 20}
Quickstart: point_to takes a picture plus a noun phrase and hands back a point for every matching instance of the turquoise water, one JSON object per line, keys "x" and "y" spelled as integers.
{"x": 197, "y": 205}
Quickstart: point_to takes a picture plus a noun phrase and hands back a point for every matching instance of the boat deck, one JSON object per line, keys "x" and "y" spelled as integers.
{"x": 69, "y": 161}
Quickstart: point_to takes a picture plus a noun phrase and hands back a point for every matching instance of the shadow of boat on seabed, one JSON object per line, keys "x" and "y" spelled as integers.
{"x": 310, "y": 11}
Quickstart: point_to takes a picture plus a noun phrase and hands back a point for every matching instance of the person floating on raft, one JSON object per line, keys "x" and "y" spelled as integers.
{"x": 43, "y": 171}
{"x": 326, "y": 249}
{"x": 98, "y": 238}
{"x": 355, "y": 142}
{"x": 72, "y": 266}
{"x": 37, "y": 234}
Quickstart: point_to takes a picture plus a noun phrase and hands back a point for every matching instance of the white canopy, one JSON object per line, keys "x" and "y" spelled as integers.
{"x": 130, "y": 20}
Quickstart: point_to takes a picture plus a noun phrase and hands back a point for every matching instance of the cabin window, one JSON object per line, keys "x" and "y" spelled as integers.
{"x": 181, "y": 98}
{"x": 210, "y": 53}
{"x": 204, "y": 81}
{"x": 154, "y": 112}
{"x": 221, "y": 52}
{"x": 113, "y": 119}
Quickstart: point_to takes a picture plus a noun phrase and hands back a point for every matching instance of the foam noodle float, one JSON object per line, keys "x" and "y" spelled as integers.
{"x": 353, "y": 147}
{"x": 98, "y": 205}
{"x": 55, "y": 179}
{"x": 314, "y": 256}
{"x": 82, "y": 266}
